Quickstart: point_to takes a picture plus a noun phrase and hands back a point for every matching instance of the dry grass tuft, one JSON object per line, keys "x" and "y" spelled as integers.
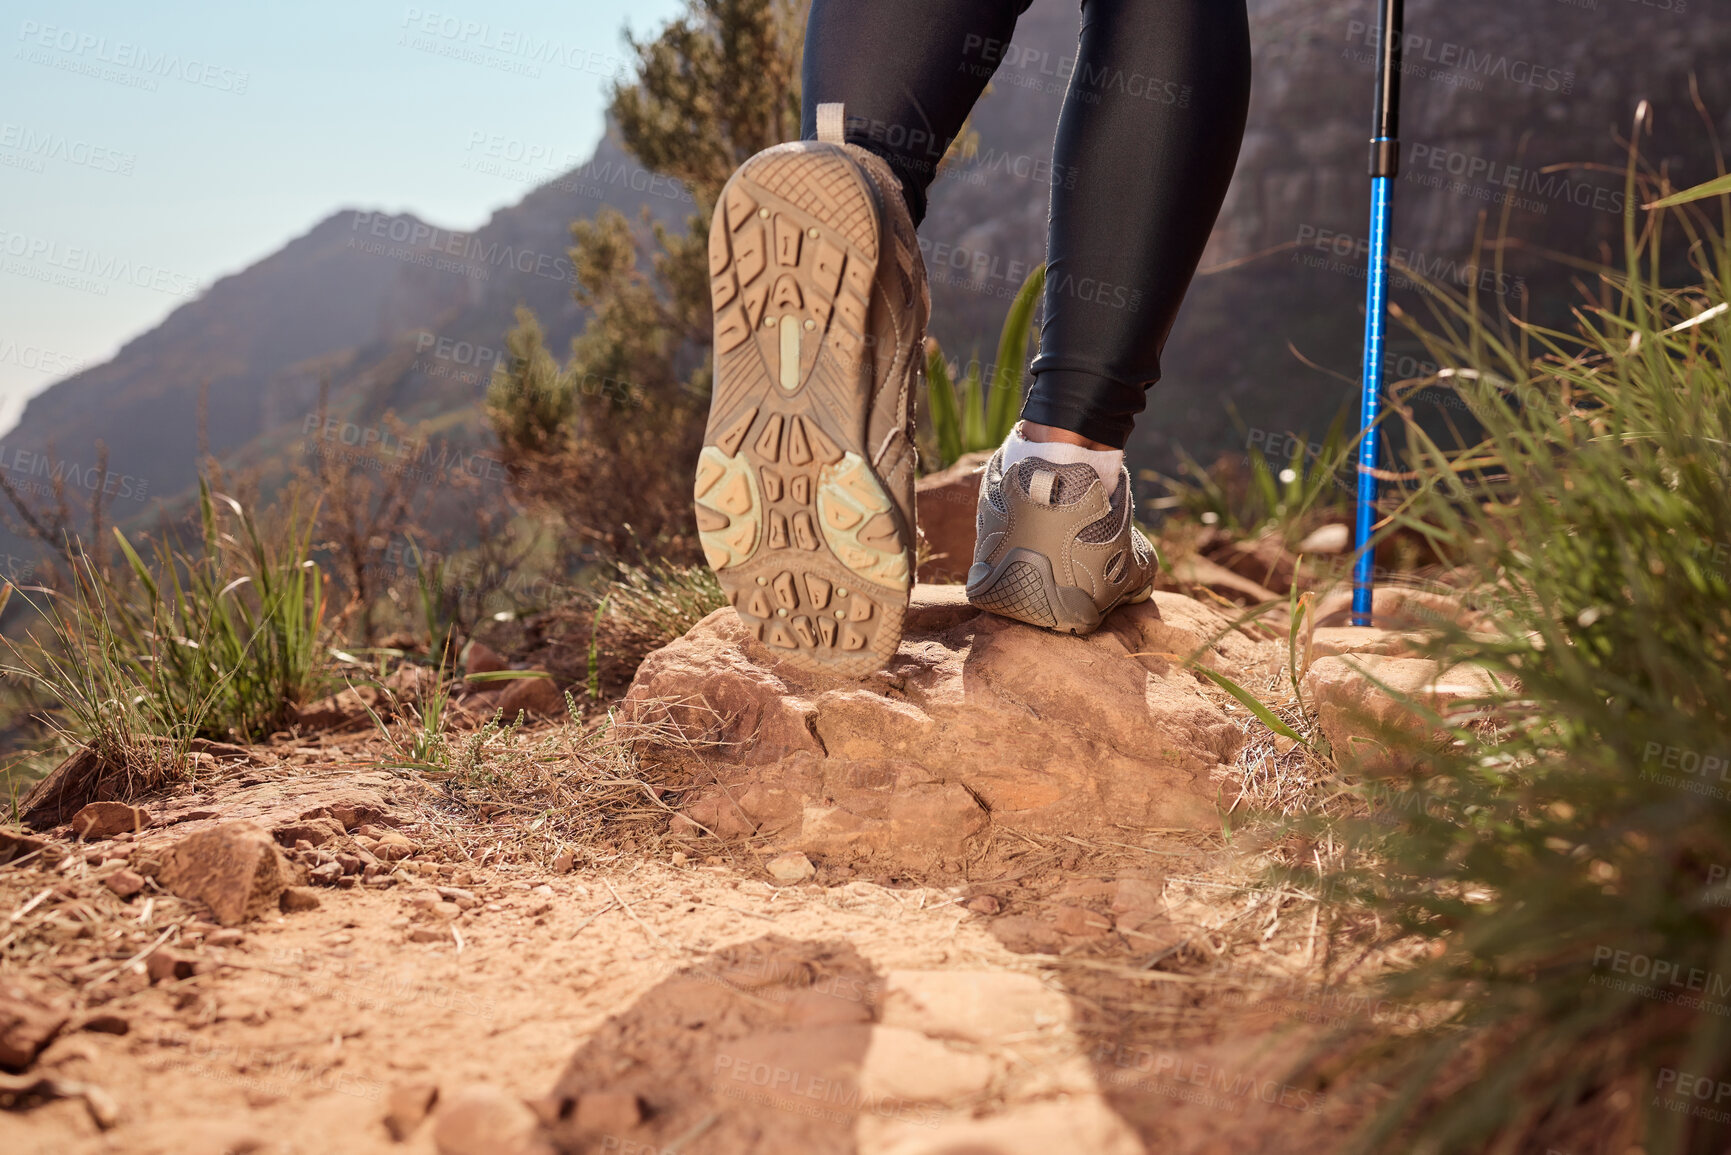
{"x": 512, "y": 793}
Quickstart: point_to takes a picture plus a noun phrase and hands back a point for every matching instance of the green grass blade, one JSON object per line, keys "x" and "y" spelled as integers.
{"x": 946, "y": 415}
{"x": 1263, "y": 713}
{"x": 1005, "y": 400}
{"x": 974, "y": 436}
{"x": 1718, "y": 187}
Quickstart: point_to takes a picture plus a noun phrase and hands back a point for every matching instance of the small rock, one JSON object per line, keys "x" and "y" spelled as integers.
{"x": 984, "y": 904}
{"x": 348, "y": 882}
{"x": 327, "y": 874}
{"x": 1335, "y": 538}
{"x": 607, "y": 1112}
{"x": 1081, "y": 922}
{"x": 679, "y": 858}
{"x": 342, "y": 709}
{"x": 235, "y": 869}
{"x": 27, "y": 1024}
{"x": 1329, "y": 641}
{"x": 480, "y": 658}
{"x": 538, "y": 697}
{"x": 790, "y": 867}
{"x": 465, "y": 899}
{"x": 299, "y": 898}
{"x": 1138, "y": 894}
{"x": 406, "y": 1106}
{"x": 165, "y": 965}
{"x": 1398, "y": 608}
{"x": 483, "y": 1120}
{"x": 1377, "y": 733}
{"x": 350, "y": 863}
{"x": 105, "y": 1023}
{"x": 16, "y": 844}
{"x": 429, "y": 934}
{"x": 394, "y": 848}
{"x": 352, "y": 810}
{"x": 543, "y": 889}
{"x": 315, "y": 831}
{"x": 563, "y": 862}
{"x": 1199, "y": 571}
{"x": 106, "y": 819}
{"x": 224, "y": 938}
{"x": 1026, "y": 934}
{"x": 124, "y": 882}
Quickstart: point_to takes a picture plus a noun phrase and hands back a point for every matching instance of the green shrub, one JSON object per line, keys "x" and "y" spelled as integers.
{"x": 1562, "y": 833}
{"x": 222, "y": 643}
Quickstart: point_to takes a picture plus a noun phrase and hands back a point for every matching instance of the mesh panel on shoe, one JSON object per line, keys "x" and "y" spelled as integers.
{"x": 1071, "y": 481}
{"x": 1108, "y": 527}
{"x": 992, "y": 486}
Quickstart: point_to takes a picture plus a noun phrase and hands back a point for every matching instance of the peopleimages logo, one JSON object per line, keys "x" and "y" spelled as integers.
{"x": 86, "y": 269}
{"x": 423, "y": 29}
{"x": 380, "y": 449}
{"x": 1459, "y": 62}
{"x": 1333, "y": 245}
{"x": 43, "y": 475}
{"x": 88, "y": 47}
{"x": 423, "y": 244}
{"x": 1535, "y": 185}
{"x": 41, "y": 146}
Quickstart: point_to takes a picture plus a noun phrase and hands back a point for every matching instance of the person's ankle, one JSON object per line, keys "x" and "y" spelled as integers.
{"x": 1070, "y": 448}
{"x": 1033, "y": 431}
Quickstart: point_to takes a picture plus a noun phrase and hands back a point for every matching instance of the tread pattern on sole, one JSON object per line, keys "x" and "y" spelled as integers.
{"x": 802, "y": 534}
{"x": 858, "y": 524}
{"x": 1019, "y": 593}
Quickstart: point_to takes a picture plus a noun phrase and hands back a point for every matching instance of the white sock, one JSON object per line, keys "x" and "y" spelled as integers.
{"x": 1106, "y": 462}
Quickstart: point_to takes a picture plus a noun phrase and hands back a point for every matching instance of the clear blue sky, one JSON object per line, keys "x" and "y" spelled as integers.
{"x": 147, "y": 149}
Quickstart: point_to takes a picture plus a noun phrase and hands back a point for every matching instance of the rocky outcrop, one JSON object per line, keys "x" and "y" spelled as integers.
{"x": 235, "y": 869}
{"x": 1381, "y": 713}
{"x": 978, "y": 725}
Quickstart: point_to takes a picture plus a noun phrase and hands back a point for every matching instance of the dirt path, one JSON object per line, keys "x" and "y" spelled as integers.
{"x": 1008, "y": 1013}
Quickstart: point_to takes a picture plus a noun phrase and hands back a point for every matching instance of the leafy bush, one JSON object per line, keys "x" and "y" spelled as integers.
{"x": 1572, "y": 841}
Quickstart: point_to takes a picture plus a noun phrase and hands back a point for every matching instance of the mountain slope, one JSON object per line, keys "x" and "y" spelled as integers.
{"x": 407, "y": 317}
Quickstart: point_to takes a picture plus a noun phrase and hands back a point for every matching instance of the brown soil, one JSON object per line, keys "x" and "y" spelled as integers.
{"x": 633, "y": 1000}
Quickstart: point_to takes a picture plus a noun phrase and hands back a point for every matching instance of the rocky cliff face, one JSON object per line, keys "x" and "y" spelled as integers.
{"x": 1524, "y": 106}
{"x": 1506, "y": 106}
{"x": 397, "y": 313}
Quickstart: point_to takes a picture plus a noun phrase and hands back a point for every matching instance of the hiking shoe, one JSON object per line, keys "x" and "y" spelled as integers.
{"x": 1052, "y": 549}
{"x": 805, "y": 484}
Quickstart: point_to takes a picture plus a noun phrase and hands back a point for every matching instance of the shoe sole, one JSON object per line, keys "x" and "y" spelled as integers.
{"x": 801, "y": 532}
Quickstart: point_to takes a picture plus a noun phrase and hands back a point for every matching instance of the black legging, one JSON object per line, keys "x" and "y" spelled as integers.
{"x": 1147, "y": 141}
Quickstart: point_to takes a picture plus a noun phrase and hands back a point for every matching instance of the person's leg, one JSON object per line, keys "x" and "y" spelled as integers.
{"x": 1147, "y": 142}
{"x": 908, "y": 72}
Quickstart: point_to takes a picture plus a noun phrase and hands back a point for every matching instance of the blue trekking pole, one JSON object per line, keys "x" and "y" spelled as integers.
{"x": 1384, "y": 164}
